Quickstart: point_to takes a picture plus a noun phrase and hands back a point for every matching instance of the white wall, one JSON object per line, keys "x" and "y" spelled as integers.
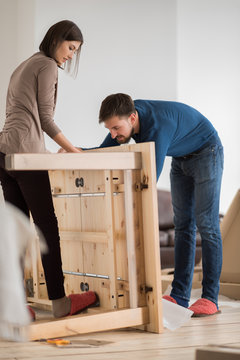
{"x": 209, "y": 74}
{"x": 17, "y": 40}
{"x": 130, "y": 46}
{"x": 8, "y": 31}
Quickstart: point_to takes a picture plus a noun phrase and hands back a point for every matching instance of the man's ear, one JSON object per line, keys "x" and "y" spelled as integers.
{"x": 133, "y": 118}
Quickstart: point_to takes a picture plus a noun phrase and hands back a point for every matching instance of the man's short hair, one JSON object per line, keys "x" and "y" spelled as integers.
{"x": 116, "y": 105}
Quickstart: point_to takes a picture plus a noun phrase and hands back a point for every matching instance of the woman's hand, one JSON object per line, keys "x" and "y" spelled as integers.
{"x": 65, "y": 144}
{"x": 62, "y": 150}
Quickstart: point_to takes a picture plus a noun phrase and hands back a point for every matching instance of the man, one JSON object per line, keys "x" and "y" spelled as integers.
{"x": 182, "y": 132}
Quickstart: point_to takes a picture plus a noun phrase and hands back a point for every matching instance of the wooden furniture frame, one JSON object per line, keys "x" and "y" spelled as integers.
{"x": 106, "y": 204}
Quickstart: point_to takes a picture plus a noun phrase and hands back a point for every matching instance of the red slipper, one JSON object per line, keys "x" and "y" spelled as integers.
{"x": 169, "y": 298}
{"x": 32, "y": 313}
{"x": 80, "y": 302}
{"x": 203, "y": 307}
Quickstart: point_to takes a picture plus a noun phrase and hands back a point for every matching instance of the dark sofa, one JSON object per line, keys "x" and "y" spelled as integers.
{"x": 166, "y": 231}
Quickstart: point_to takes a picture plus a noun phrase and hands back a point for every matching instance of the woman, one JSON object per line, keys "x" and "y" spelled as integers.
{"x": 31, "y": 101}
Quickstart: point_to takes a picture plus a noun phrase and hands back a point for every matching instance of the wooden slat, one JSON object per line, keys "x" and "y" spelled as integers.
{"x": 151, "y": 236}
{"x": 111, "y": 239}
{"x": 79, "y": 324}
{"x": 36, "y": 300}
{"x": 130, "y": 238}
{"x": 71, "y": 161}
{"x": 100, "y": 237}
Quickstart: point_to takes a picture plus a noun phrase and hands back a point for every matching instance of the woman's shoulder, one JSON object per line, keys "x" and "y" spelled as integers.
{"x": 39, "y": 63}
{"x": 41, "y": 58}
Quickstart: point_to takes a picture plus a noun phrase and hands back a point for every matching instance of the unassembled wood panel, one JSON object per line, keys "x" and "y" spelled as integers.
{"x": 101, "y": 253}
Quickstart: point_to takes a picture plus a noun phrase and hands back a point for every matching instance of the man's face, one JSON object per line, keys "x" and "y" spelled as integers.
{"x": 120, "y": 128}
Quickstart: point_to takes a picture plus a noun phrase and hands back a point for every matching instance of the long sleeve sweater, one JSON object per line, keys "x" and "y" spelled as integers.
{"x": 175, "y": 128}
{"x": 30, "y": 106}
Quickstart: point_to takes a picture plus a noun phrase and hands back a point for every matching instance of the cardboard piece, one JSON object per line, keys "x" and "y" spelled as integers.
{"x": 230, "y": 276}
{"x": 213, "y": 352}
{"x": 230, "y": 229}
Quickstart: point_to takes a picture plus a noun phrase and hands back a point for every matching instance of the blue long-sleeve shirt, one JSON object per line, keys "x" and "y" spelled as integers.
{"x": 177, "y": 129}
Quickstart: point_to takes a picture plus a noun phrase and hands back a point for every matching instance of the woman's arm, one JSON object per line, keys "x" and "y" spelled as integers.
{"x": 62, "y": 141}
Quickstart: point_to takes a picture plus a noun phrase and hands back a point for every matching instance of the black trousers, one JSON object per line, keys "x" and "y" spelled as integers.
{"x": 30, "y": 191}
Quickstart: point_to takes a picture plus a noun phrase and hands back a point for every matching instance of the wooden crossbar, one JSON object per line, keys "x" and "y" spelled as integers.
{"x": 70, "y": 161}
{"x": 79, "y": 324}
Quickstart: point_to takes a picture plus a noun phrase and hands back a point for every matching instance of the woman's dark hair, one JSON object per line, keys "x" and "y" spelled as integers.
{"x": 116, "y": 105}
{"x": 64, "y": 30}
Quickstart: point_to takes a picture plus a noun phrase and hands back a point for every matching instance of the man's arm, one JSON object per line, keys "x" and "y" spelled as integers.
{"x": 108, "y": 141}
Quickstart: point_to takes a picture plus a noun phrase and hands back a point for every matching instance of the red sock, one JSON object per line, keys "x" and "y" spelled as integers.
{"x": 169, "y": 298}
{"x": 80, "y": 302}
{"x": 32, "y": 313}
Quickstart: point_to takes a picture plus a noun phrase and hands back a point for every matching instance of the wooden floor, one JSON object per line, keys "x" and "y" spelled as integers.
{"x": 221, "y": 329}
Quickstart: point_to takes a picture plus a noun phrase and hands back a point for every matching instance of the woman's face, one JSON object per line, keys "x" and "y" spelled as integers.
{"x": 66, "y": 50}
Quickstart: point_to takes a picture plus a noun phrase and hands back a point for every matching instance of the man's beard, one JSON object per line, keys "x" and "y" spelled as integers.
{"x": 125, "y": 140}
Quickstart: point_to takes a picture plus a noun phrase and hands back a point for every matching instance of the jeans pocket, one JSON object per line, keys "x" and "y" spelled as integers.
{"x": 205, "y": 165}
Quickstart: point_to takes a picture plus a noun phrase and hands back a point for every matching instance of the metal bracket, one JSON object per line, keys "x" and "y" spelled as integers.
{"x": 84, "y": 286}
{"x": 140, "y": 186}
{"x": 145, "y": 289}
{"x": 79, "y": 182}
{"x": 29, "y": 287}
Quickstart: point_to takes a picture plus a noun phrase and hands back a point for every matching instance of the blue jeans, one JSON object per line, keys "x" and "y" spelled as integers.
{"x": 195, "y": 188}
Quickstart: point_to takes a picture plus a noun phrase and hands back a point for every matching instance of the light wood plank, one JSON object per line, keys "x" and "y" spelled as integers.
{"x": 69, "y": 161}
{"x": 151, "y": 235}
{"x": 90, "y": 323}
{"x": 130, "y": 239}
{"x": 100, "y": 237}
{"x": 111, "y": 239}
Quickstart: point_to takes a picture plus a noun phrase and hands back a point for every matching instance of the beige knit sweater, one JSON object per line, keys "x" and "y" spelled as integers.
{"x": 30, "y": 106}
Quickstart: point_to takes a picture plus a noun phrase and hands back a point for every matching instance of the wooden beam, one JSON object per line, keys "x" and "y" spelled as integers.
{"x": 111, "y": 239}
{"x": 84, "y": 236}
{"x": 72, "y": 161}
{"x": 130, "y": 239}
{"x": 83, "y": 324}
{"x": 151, "y": 231}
